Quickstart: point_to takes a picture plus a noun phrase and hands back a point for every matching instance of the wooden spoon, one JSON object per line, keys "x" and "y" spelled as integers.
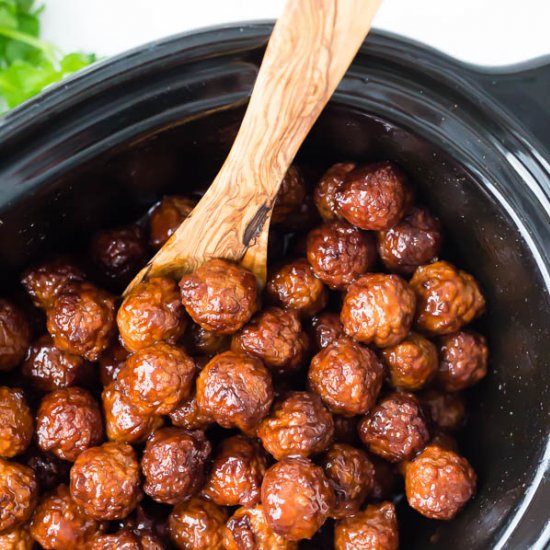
{"x": 310, "y": 49}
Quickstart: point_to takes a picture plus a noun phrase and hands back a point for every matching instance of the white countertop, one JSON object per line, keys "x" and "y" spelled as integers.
{"x": 488, "y": 32}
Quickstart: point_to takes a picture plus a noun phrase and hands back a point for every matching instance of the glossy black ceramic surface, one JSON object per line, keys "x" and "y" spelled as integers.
{"x": 106, "y": 144}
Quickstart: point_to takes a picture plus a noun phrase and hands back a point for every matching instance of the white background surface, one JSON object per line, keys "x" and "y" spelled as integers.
{"x": 489, "y": 32}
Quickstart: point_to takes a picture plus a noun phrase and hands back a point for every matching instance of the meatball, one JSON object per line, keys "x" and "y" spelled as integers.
{"x": 247, "y": 529}
{"x": 49, "y": 368}
{"x": 438, "y": 483}
{"x": 447, "y": 410}
{"x": 294, "y": 286}
{"x": 347, "y": 376}
{"x": 187, "y": 415}
{"x": 220, "y": 296}
{"x": 235, "y": 390}
{"x": 276, "y": 337}
{"x": 49, "y": 470}
{"x": 173, "y": 464}
{"x": 299, "y": 424}
{"x": 151, "y": 313}
{"x": 105, "y": 481}
{"x": 118, "y": 254}
{"x": 123, "y": 421}
{"x": 351, "y": 475}
{"x": 82, "y": 320}
{"x": 447, "y": 298}
{"x": 46, "y": 280}
{"x": 330, "y": 183}
{"x": 198, "y": 341}
{"x": 414, "y": 241}
{"x": 126, "y": 540}
{"x": 237, "y": 472}
{"x": 167, "y": 217}
{"x": 372, "y": 529}
{"x": 375, "y": 196}
{"x": 155, "y": 379}
{"x": 345, "y": 428}
{"x": 297, "y": 498}
{"x": 385, "y": 479}
{"x": 18, "y": 494}
{"x": 339, "y": 253}
{"x": 59, "y": 524}
{"x": 16, "y": 425}
{"x": 463, "y": 360}
{"x": 18, "y": 538}
{"x": 396, "y": 429}
{"x": 412, "y": 363}
{"x": 326, "y": 328}
{"x": 197, "y": 525}
{"x": 378, "y": 308}
{"x": 291, "y": 195}
{"x": 68, "y": 422}
{"x": 110, "y": 363}
{"x": 15, "y": 335}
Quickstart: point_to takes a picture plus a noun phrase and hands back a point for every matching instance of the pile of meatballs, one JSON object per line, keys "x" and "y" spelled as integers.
{"x": 205, "y": 414}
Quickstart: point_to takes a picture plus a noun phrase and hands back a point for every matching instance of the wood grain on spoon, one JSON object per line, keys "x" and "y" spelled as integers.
{"x": 311, "y": 46}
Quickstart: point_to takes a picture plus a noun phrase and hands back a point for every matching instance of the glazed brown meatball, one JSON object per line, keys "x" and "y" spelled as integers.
{"x": 105, "y": 481}
{"x": 17, "y": 538}
{"x": 173, "y": 464}
{"x": 447, "y": 410}
{"x": 375, "y": 196}
{"x": 236, "y": 473}
{"x": 247, "y": 529}
{"x": 15, "y": 335}
{"x": 330, "y": 183}
{"x": 297, "y": 498}
{"x": 167, "y": 217}
{"x": 151, "y": 313}
{"x": 347, "y": 376}
{"x": 123, "y": 421}
{"x": 119, "y": 253}
{"x": 375, "y": 528}
{"x": 49, "y": 470}
{"x": 155, "y": 379}
{"x": 351, "y": 475}
{"x": 48, "y": 368}
{"x": 414, "y": 241}
{"x": 187, "y": 415}
{"x": 220, "y": 296}
{"x": 82, "y": 320}
{"x": 326, "y": 328}
{"x": 16, "y": 425}
{"x": 197, "y": 525}
{"x": 447, "y": 298}
{"x": 385, "y": 479}
{"x": 396, "y": 429}
{"x": 299, "y": 424}
{"x": 235, "y": 390}
{"x": 18, "y": 494}
{"x": 345, "y": 428}
{"x": 412, "y": 363}
{"x": 110, "y": 363}
{"x": 68, "y": 422}
{"x": 463, "y": 360}
{"x": 59, "y": 524}
{"x": 339, "y": 253}
{"x": 276, "y": 337}
{"x": 126, "y": 540}
{"x": 294, "y": 286}
{"x": 290, "y": 196}
{"x": 46, "y": 280}
{"x": 438, "y": 483}
{"x": 378, "y": 308}
{"x": 198, "y": 341}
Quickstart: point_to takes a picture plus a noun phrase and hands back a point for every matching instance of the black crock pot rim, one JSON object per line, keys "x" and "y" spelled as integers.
{"x": 41, "y": 109}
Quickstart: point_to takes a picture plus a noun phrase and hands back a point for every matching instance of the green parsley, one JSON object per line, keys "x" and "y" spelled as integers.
{"x": 27, "y": 64}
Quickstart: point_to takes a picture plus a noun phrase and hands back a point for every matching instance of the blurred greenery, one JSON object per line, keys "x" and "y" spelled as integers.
{"x": 27, "y": 64}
